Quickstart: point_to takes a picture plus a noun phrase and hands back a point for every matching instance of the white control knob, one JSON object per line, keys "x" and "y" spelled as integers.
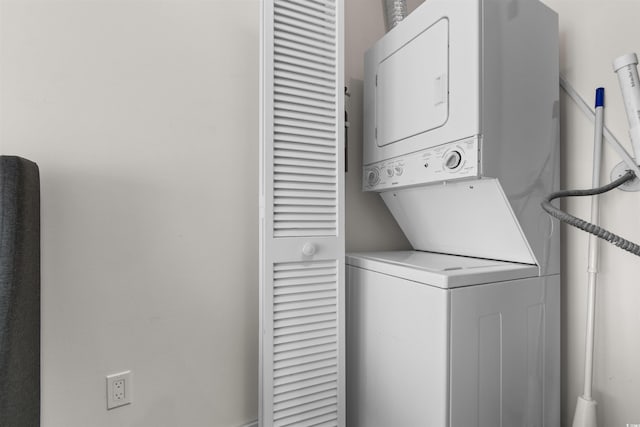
{"x": 308, "y": 249}
{"x": 452, "y": 160}
{"x": 373, "y": 176}
{"x": 399, "y": 170}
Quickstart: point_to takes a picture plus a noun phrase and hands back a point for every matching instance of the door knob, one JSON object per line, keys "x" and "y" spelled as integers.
{"x": 308, "y": 249}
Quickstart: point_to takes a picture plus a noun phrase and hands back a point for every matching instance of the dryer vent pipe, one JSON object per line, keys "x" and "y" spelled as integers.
{"x": 394, "y": 12}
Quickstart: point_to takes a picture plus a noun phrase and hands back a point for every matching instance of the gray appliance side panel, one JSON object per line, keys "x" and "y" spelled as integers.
{"x": 505, "y": 354}
{"x": 520, "y": 115}
{"x": 397, "y": 352}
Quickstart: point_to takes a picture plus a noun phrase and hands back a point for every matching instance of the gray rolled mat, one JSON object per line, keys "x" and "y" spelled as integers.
{"x": 19, "y": 293}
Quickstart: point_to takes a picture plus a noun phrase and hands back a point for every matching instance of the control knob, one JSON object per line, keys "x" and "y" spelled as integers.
{"x": 452, "y": 160}
{"x": 373, "y": 176}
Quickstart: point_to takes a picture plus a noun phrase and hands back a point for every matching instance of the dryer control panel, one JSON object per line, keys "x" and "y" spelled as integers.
{"x": 455, "y": 160}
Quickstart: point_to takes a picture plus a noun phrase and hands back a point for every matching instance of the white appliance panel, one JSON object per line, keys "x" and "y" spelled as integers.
{"x": 445, "y": 162}
{"x": 412, "y": 86}
{"x": 440, "y": 270}
{"x": 488, "y": 355}
{"x": 505, "y": 354}
{"x": 471, "y": 218}
{"x": 397, "y": 353}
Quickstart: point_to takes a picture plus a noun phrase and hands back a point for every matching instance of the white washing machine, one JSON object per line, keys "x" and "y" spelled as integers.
{"x": 439, "y": 340}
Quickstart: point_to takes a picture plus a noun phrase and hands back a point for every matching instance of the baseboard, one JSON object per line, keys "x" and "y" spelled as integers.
{"x": 251, "y": 424}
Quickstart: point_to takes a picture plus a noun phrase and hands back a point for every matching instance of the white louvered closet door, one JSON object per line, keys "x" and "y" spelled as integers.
{"x": 302, "y": 274}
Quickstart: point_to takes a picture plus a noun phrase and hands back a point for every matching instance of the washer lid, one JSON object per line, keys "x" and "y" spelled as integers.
{"x": 440, "y": 270}
{"x": 472, "y": 218}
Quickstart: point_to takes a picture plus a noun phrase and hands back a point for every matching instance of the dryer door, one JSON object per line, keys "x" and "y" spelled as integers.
{"x": 412, "y": 86}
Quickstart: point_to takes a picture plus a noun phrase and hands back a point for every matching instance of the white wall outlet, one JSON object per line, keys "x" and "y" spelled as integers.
{"x": 119, "y": 389}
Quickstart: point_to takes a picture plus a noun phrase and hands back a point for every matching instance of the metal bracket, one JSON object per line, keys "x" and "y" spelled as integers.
{"x": 619, "y": 170}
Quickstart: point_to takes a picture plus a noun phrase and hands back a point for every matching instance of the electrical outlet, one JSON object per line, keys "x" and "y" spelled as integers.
{"x": 119, "y": 389}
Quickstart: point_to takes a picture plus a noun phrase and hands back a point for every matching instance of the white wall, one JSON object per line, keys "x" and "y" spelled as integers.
{"x": 143, "y": 118}
{"x": 592, "y": 34}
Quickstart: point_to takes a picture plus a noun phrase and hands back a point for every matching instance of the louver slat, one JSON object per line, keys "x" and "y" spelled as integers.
{"x": 298, "y": 111}
{"x": 302, "y": 94}
{"x": 310, "y": 144}
{"x": 312, "y": 90}
{"x": 286, "y": 157}
{"x": 295, "y": 232}
{"x": 308, "y": 60}
{"x": 315, "y": 218}
{"x": 327, "y": 181}
{"x": 303, "y": 209}
{"x": 310, "y": 268}
{"x": 304, "y": 117}
{"x": 307, "y": 393}
{"x": 307, "y": 408}
{"x": 305, "y": 375}
{"x": 311, "y": 166}
{"x": 325, "y": 25}
{"x": 315, "y": 5}
{"x": 303, "y": 400}
{"x": 291, "y": 26}
{"x": 299, "y": 283}
{"x": 297, "y": 289}
{"x": 300, "y": 132}
{"x": 316, "y": 67}
{"x": 297, "y": 314}
{"x": 304, "y": 384}
{"x": 308, "y": 419}
{"x": 318, "y": 51}
{"x": 313, "y": 271}
{"x": 301, "y": 42}
{"x": 302, "y": 361}
{"x": 304, "y": 321}
{"x": 293, "y": 337}
{"x": 289, "y": 374}
{"x": 304, "y": 198}
{"x": 292, "y": 185}
{"x": 284, "y": 142}
{"x": 304, "y": 82}
{"x": 285, "y": 331}
{"x": 319, "y": 13}
{"x": 305, "y": 349}
{"x": 306, "y": 124}
{"x": 294, "y": 102}
{"x": 315, "y": 168}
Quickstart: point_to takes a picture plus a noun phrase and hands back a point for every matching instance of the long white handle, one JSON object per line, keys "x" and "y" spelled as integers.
{"x": 585, "y": 415}
{"x": 592, "y": 268}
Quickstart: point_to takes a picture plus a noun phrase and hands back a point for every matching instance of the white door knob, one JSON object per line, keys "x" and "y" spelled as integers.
{"x": 308, "y": 249}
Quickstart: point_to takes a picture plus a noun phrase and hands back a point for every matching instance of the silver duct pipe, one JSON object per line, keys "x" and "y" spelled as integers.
{"x": 394, "y": 12}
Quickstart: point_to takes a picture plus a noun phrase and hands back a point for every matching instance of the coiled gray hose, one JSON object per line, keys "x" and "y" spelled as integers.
{"x": 587, "y": 226}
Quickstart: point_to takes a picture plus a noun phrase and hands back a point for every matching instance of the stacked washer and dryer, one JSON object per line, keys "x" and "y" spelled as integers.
{"x": 461, "y": 142}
